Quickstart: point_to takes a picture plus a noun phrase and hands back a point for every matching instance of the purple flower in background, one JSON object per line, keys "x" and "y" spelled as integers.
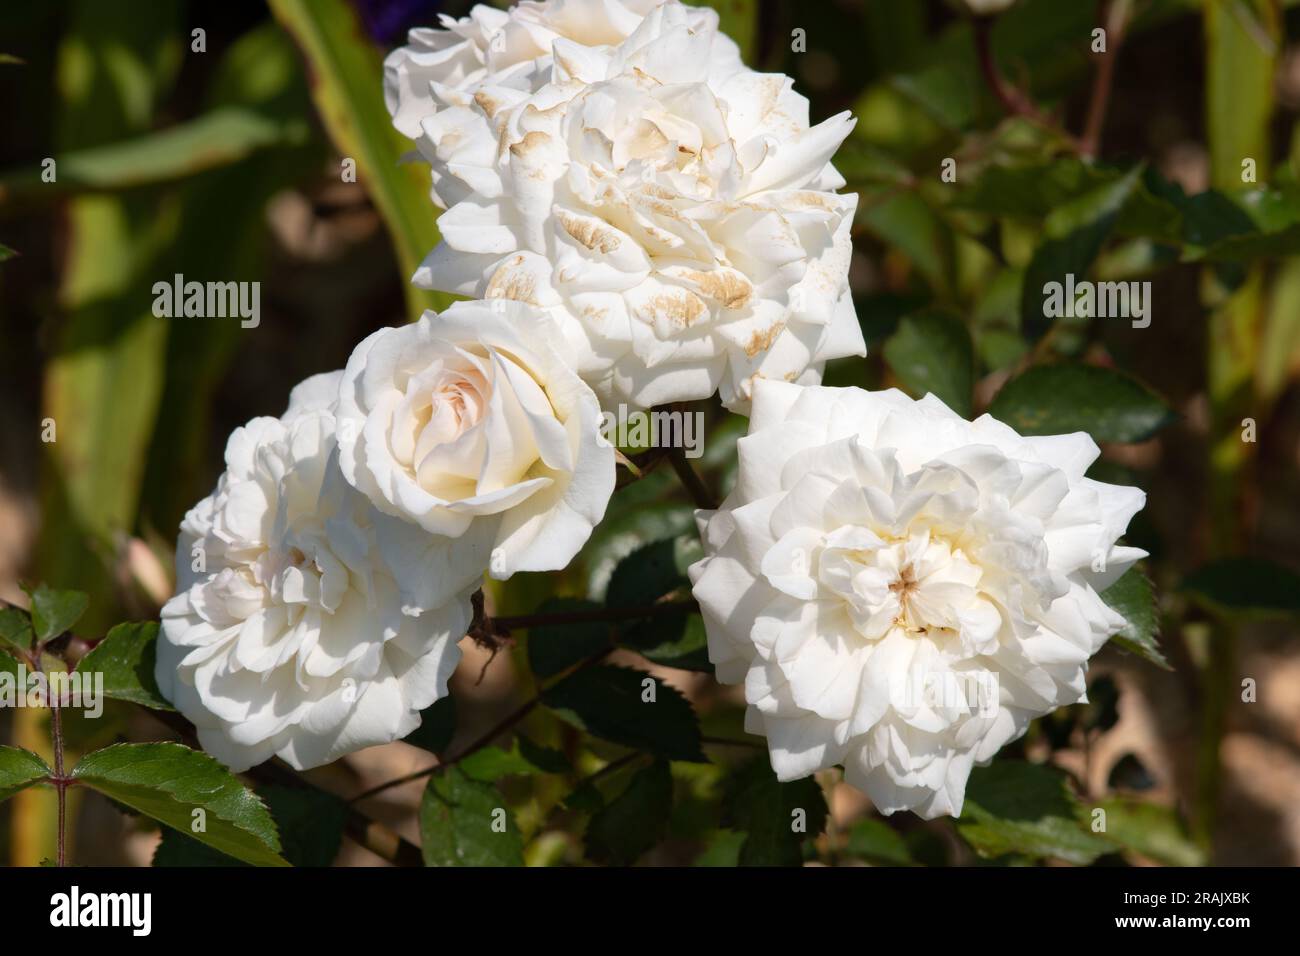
{"x": 388, "y": 20}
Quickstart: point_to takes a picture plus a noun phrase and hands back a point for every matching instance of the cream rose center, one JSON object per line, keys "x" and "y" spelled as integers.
{"x": 464, "y": 424}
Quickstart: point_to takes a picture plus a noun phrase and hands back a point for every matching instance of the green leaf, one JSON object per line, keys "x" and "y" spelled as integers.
{"x": 1030, "y": 192}
{"x": 996, "y": 321}
{"x": 943, "y": 94}
{"x": 1242, "y": 40}
{"x": 877, "y": 842}
{"x": 437, "y": 726}
{"x": 1133, "y": 597}
{"x": 906, "y": 221}
{"x": 626, "y": 529}
{"x": 1074, "y": 234}
{"x": 1018, "y": 808}
{"x": 1250, "y": 586}
{"x": 632, "y": 822}
{"x": 346, "y": 71}
{"x": 607, "y": 702}
{"x": 1258, "y": 245}
{"x": 584, "y": 798}
{"x": 16, "y": 627}
{"x": 492, "y": 763}
{"x": 932, "y": 352}
{"x": 19, "y": 769}
{"x": 771, "y": 814}
{"x": 1055, "y": 399}
{"x": 176, "y": 850}
{"x": 54, "y": 612}
{"x": 647, "y": 576}
{"x": 542, "y": 759}
{"x": 126, "y": 657}
{"x": 6, "y": 253}
{"x": 1208, "y": 217}
{"x": 170, "y": 782}
{"x": 687, "y": 650}
{"x": 554, "y": 648}
{"x": 9, "y": 665}
{"x": 722, "y": 849}
{"x": 1154, "y": 831}
{"x": 524, "y": 757}
{"x": 310, "y": 822}
{"x": 460, "y": 821}
{"x": 215, "y": 139}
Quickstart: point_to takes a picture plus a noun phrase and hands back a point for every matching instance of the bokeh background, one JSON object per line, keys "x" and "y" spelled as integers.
{"x": 225, "y": 165}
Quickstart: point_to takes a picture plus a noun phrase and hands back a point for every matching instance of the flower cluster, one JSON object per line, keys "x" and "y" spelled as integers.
{"x": 324, "y": 585}
{"x": 675, "y": 212}
{"x": 639, "y": 219}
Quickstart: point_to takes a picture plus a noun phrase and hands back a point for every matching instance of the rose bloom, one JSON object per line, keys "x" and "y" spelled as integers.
{"x": 289, "y": 635}
{"x": 901, "y": 591}
{"x": 469, "y": 425}
{"x": 492, "y": 48}
{"x": 676, "y": 214}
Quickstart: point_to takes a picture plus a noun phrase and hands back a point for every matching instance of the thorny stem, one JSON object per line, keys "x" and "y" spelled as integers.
{"x": 500, "y": 727}
{"x": 640, "y": 466}
{"x": 612, "y": 767}
{"x": 1112, "y": 14}
{"x": 1015, "y": 101}
{"x": 59, "y": 780}
{"x": 483, "y": 740}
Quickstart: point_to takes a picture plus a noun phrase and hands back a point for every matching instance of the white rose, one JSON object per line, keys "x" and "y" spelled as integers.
{"x": 901, "y": 591}
{"x": 470, "y": 425}
{"x": 289, "y": 635}
{"x": 492, "y": 48}
{"x": 679, "y": 221}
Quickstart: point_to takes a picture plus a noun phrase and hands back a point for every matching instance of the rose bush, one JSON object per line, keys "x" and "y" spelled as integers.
{"x": 288, "y": 635}
{"x": 902, "y": 591}
{"x": 675, "y": 213}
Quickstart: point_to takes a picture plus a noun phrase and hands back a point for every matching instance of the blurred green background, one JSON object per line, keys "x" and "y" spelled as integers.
{"x": 224, "y": 164}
